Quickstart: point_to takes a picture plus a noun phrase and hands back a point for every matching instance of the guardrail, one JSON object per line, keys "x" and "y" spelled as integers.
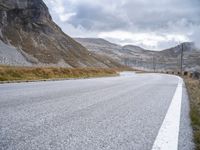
{"x": 194, "y": 75}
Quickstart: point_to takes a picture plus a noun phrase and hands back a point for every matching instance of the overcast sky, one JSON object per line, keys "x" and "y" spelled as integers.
{"x": 151, "y": 24}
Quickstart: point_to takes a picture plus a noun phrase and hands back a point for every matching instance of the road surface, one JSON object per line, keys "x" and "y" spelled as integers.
{"x": 129, "y": 112}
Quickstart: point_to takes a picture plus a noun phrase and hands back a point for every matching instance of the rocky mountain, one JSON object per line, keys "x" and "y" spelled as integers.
{"x": 29, "y": 37}
{"x": 137, "y": 57}
{"x": 191, "y": 56}
{"x": 102, "y": 47}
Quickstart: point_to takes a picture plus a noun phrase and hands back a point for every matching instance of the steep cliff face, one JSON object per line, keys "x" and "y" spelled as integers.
{"x": 27, "y": 26}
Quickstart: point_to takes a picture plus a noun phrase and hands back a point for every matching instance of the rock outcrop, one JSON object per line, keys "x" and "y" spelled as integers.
{"x": 27, "y": 26}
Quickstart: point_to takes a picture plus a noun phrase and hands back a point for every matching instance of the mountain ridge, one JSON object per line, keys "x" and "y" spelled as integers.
{"x": 140, "y": 58}
{"x": 29, "y": 37}
{"x": 28, "y": 31}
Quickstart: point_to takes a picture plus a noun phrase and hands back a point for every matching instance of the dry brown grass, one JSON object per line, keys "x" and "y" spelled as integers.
{"x": 8, "y": 73}
{"x": 193, "y": 87}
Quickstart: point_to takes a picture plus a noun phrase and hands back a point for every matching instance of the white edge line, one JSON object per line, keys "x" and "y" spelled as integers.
{"x": 167, "y": 138}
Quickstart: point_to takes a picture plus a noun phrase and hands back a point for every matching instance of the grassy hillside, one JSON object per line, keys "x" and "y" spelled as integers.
{"x": 8, "y": 73}
{"x": 193, "y": 87}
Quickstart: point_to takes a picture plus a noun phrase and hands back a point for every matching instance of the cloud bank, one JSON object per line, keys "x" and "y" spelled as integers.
{"x": 151, "y": 24}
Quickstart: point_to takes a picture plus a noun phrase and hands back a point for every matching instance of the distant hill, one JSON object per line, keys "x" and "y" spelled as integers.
{"x": 140, "y": 58}
{"x": 29, "y": 37}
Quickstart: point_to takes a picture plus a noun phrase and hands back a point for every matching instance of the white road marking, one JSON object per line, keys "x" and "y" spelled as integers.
{"x": 167, "y": 138}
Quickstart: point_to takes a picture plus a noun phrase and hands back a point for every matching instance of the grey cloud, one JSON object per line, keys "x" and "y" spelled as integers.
{"x": 143, "y": 14}
{"x": 135, "y": 16}
{"x": 195, "y": 36}
{"x": 153, "y": 14}
{"x": 96, "y": 18}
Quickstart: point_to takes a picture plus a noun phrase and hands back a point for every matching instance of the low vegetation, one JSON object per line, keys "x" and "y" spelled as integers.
{"x": 193, "y": 87}
{"x": 8, "y": 73}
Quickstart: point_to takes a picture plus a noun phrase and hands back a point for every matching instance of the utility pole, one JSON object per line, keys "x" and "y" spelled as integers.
{"x": 154, "y": 64}
{"x": 181, "y": 67}
{"x": 126, "y": 62}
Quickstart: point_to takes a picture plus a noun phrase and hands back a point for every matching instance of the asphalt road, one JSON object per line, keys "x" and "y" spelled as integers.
{"x": 118, "y": 113}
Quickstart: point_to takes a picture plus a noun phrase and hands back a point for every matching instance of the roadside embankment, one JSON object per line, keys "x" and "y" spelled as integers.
{"x": 8, "y": 73}
{"x": 193, "y": 88}
{"x": 22, "y": 74}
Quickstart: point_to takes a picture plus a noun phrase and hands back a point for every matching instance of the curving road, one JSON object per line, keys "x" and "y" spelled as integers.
{"x": 129, "y": 112}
